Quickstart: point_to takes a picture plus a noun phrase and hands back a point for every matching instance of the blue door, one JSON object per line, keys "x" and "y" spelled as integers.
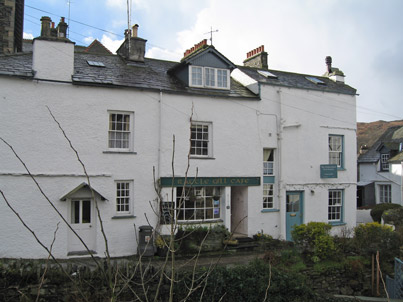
{"x": 294, "y": 209}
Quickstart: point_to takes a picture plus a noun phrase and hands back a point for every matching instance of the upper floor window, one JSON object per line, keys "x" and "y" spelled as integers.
{"x": 120, "y": 134}
{"x": 268, "y": 162}
{"x": 385, "y": 193}
{"x": 200, "y": 139}
{"x": 385, "y": 162}
{"x": 336, "y": 150}
{"x": 209, "y": 77}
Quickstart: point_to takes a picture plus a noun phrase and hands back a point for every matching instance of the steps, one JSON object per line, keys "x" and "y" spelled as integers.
{"x": 244, "y": 244}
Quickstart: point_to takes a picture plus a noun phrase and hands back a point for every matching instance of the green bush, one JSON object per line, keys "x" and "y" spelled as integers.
{"x": 372, "y": 237}
{"x": 377, "y": 211}
{"x": 393, "y": 216}
{"x": 247, "y": 283}
{"x": 314, "y": 240}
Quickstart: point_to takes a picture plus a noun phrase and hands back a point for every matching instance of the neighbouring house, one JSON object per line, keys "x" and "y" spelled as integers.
{"x": 265, "y": 149}
{"x": 380, "y": 170}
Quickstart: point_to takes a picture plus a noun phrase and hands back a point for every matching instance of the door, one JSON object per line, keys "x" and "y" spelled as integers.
{"x": 294, "y": 211}
{"x": 82, "y": 221}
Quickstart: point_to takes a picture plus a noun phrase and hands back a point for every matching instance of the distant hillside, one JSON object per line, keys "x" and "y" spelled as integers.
{"x": 368, "y": 133}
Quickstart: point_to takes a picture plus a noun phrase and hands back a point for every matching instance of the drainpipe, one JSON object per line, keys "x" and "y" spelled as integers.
{"x": 159, "y": 134}
{"x": 282, "y": 206}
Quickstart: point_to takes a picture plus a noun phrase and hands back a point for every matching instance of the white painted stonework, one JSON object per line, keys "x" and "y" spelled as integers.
{"x": 241, "y": 129}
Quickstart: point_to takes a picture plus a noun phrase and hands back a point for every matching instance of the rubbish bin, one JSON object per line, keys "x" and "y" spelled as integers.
{"x": 146, "y": 241}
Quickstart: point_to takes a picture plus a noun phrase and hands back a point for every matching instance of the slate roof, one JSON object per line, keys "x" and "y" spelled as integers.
{"x": 153, "y": 74}
{"x": 16, "y": 65}
{"x": 297, "y": 80}
{"x": 391, "y": 138}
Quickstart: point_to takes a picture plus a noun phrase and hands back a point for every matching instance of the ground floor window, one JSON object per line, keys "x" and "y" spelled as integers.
{"x": 268, "y": 196}
{"x": 198, "y": 203}
{"x": 385, "y": 193}
{"x": 335, "y": 205}
{"x": 123, "y": 197}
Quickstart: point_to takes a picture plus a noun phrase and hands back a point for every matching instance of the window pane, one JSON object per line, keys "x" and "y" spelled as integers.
{"x": 75, "y": 211}
{"x": 335, "y": 205}
{"x": 86, "y": 211}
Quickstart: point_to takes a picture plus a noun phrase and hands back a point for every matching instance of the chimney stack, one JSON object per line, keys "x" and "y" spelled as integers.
{"x": 53, "y": 53}
{"x": 197, "y": 46}
{"x": 133, "y": 48}
{"x": 62, "y": 28}
{"x": 333, "y": 73}
{"x": 45, "y": 26}
{"x": 256, "y": 58}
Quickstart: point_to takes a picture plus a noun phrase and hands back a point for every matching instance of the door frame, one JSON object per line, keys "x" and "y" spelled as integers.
{"x": 87, "y": 231}
{"x": 300, "y": 213}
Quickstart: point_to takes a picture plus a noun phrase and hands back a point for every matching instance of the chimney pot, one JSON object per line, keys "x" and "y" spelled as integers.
{"x": 45, "y": 26}
{"x": 328, "y": 61}
{"x": 135, "y": 29}
{"x": 256, "y": 58}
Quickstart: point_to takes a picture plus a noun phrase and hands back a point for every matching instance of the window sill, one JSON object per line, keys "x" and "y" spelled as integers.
{"x": 119, "y": 152}
{"x": 123, "y": 216}
{"x": 201, "y": 157}
{"x": 336, "y": 223}
{"x": 341, "y": 169}
{"x": 201, "y": 221}
{"x": 269, "y": 210}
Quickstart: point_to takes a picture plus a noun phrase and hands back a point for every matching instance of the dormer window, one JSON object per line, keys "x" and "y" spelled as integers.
{"x": 385, "y": 162}
{"x": 209, "y": 77}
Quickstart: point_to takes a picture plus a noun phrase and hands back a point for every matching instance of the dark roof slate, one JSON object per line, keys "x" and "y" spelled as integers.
{"x": 297, "y": 80}
{"x": 391, "y": 138}
{"x": 152, "y": 74}
{"x": 16, "y": 65}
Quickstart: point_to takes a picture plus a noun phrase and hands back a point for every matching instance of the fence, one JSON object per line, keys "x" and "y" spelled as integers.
{"x": 395, "y": 286}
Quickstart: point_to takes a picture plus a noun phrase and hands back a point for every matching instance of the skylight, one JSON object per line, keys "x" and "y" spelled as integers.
{"x": 315, "y": 81}
{"x": 96, "y": 64}
{"x": 267, "y": 74}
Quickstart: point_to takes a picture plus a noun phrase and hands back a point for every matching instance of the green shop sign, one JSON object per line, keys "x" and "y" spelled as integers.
{"x": 209, "y": 181}
{"x": 328, "y": 171}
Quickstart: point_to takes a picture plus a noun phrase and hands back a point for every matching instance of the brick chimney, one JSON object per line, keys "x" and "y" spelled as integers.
{"x": 53, "y": 53}
{"x": 133, "y": 48}
{"x": 256, "y": 58}
{"x": 201, "y": 44}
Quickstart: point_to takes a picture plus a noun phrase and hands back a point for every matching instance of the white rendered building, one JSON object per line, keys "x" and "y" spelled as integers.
{"x": 266, "y": 149}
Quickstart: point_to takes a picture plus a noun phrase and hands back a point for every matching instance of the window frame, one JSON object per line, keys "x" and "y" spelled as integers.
{"x": 129, "y": 197}
{"x": 340, "y": 163}
{"x": 193, "y": 197}
{"x": 384, "y": 162}
{"x": 130, "y": 131}
{"x": 210, "y": 77}
{"x": 209, "y": 147}
{"x": 267, "y": 204}
{"x": 385, "y": 196}
{"x": 339, "y": 208}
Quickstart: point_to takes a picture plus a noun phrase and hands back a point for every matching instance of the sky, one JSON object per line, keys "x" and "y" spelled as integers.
{"x": 363, "y": 37}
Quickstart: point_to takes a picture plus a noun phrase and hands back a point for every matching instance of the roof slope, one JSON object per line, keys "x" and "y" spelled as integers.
{"x": 152, "y": 74}
{"x": 297, "y": 80}
{"x": 391, "y": 138}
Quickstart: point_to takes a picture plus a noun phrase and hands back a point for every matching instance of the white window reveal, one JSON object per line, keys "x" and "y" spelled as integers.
{"x": 385, "y": 193}
{"x": 335, "y": 206}
{"x": 209, "y": 77}
{"x": 200, "y": 139}
{"x": 198, "y": 203}
{"x": 124, "y": 196}
{"x": 120, "y": 133}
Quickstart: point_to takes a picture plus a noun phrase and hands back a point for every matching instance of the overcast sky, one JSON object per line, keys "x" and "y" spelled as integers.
{"x": 364, "y": 37}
